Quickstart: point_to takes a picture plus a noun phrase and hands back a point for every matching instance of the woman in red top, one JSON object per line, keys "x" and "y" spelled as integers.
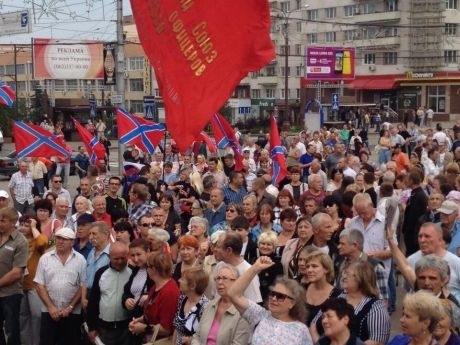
{"x": 162, "y": 302}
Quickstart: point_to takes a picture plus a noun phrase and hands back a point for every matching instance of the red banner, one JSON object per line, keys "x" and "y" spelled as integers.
{"x": 200, "y": 51}
{"x": 96, "y": 150}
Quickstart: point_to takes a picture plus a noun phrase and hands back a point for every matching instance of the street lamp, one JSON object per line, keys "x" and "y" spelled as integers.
{"x": 286, "y": 16}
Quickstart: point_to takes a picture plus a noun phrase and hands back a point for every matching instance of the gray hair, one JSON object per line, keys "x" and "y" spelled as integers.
{"x": 159, "y": 234}
{"x": 222, "y": 265}
{"x": 61, "y": 199}
{"x": 200, "y": 221}
{"x": 362, "y": 197}
{"x": 433, "y": 262}
{"x": 215, "y": 236}
{"x": 353, "y": 236}
{"x": 317, "y": 219}
{"x": 388, "y": 177}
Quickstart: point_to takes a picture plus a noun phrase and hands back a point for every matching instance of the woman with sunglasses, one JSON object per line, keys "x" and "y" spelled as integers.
{"x": 233, "y": 210}
{"x": 284, "y": 321}
{"x": 221, "y": 323}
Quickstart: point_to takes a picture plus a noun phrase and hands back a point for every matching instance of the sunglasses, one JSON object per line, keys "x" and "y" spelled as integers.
{"x": 147, "y": 224}
{"x": 278, "y": 295}
{"x": 59, "y": 181}
{"x": 230, "y": 210}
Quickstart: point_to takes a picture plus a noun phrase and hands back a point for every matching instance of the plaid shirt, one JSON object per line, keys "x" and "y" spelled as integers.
{"x": 137, "y": 212}
{"x": 21, "y": 185}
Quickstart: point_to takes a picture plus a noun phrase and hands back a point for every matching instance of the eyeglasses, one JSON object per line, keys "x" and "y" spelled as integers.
{"x": 58, "y": 181}
{"x": 230, "y": 210}
{"x": 147, "y": 224}
{"x": 279, "y": 296}
{"x": 225, "y": 279}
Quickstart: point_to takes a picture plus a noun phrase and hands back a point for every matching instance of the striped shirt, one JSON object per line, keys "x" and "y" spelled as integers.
{"x": 21, "y": 186}
{"x": 230, "y": 195}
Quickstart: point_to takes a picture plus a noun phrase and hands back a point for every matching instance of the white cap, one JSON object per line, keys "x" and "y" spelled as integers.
{"x": 67, "y": 233}
{"x": 4, "y": 194}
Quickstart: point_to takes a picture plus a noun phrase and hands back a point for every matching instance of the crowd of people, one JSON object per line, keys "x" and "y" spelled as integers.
{"x": 189, "y": 250}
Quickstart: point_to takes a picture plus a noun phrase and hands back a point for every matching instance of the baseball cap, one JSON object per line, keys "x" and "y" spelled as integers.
{"x": 4, "y": 194}
{"x": 65, "y": 233}
{"x": 448, "y": 207}
{"x": 247, "y": 148}
{"x": 85, "y": 218}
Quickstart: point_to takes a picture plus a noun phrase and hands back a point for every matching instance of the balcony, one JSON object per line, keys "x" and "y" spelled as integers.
{"x": 268, "y": 80}
{"x": 377, "y": 17}
{"x": 377, "y": 42}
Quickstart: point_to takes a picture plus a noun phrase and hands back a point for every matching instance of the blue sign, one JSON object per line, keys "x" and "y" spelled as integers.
{"x": 335, "y": 101}
{"x": 24, "y": 19}
{"x": 92, "y": 108}
{"x": 149, "y": 107}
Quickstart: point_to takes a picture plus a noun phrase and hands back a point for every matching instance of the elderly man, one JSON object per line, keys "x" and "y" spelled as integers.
{"x": 99, "y": 234}
{"x": 228, "y": 249}
{"x": 20, "y": 186}
{"x": 219, "y": 175}
{"x": 216, "y": 213}
{"x": 13, "y": 261}
{"x": 323, "y": 229}
{"x": 234, "y": 191}
{"x": 61, "y": 212}
{"x": 159, "y": 219}
{"x": 82, "y": 243}
{"x": 56, "y": 187}
{"x": 139, "y": 203}
{"x": 351, "y": 243}
{"x": 315, "y": 190}
{"x": 60, "y": 277}
{"x": 106, "y": 316}
{"x": 450, "y": 225}
{"x": 100, "y": 210}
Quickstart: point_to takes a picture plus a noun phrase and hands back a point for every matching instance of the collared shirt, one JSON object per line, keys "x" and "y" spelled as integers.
{"x": 454, "y": 245}
{"x": 61, "y": 281}
{"x": 37, "y": 170}
{"x": 13, "y": 253}
{"x": 230, "y": 195}
{"x": 63, "y": 193}
{"x": 215, "y": 216}
{"x": 85, "y": 250}
{"x": 374, "y": 235}
{"x": 93, "y": 263}
{"x": 137, "y": 212}
{"x": 22, "y": 185}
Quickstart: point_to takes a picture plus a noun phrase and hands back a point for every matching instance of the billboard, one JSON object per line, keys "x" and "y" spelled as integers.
{"x": 61, "y": 59}
{"x": 15, "y": 23}
{"x": 326, "y": 63}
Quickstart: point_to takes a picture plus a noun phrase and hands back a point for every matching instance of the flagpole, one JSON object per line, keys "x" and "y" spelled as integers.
{"x": 164, "y": 153}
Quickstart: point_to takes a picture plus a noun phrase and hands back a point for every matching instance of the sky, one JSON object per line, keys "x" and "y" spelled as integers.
{"x": 66, "y": 19}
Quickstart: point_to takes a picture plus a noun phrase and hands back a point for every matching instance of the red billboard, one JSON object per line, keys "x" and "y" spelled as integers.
{"x": 61, "y": 59}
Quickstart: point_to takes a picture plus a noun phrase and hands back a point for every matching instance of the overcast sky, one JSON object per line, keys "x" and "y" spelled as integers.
{"x": 66, "y": 19}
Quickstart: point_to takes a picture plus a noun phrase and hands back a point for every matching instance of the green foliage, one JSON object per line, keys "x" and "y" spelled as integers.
{"x": 226, "y": 111}
{"x": 37, "y": 103}
{"x": 6, "y": 120}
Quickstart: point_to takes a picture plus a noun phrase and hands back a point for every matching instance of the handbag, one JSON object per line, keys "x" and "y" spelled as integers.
{"x": 154, "y": 341}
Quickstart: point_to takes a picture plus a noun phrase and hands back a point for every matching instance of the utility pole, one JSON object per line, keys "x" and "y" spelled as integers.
{"x": 120, "y": 86}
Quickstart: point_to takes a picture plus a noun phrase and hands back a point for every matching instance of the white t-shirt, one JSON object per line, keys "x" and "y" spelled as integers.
{"x": 252, "y": 292}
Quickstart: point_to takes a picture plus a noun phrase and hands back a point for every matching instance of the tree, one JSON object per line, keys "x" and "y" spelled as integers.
{"x": 38, "y": 104}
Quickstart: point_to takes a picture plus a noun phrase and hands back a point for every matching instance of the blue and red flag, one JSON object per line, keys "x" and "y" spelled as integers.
{"x": 34, "y": 141}
{"x": 279, "y": 170}
{"x": 136, "y": 130}
{"x": 7, "y": 95}
{"x": 96, "y": 150}
{"x": 225, "y": 137}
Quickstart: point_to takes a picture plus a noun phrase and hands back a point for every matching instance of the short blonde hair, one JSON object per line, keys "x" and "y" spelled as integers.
{"x": 269, "y": 237}
{"x": 325, "y": 261}
{"x": 426, "y": 306}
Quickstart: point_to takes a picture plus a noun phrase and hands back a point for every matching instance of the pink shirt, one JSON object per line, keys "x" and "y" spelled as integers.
{"x": 212, "y": 335}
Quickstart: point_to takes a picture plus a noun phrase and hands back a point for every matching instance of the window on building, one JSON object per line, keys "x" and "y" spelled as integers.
{"x": 391, "y": 5}
{"x": 312, "y": 38}
{"x": 390, "y": 58}
{"x": 451, "y": 29}
{"x": 136, "y": 63}
{"x": 283, "y": 92}
{"x": 437, "y": 98}
{"x": 297, "y": 93}
{"x": 286, "y": 6}
{"x": 9, "y": 70}
{"x": 21, "y": 86}
{"x": 157, "y": 93}
{"x": 59, "y": 85}
{"x": 450, "y": 56}
{"x": 330, "y": 12}
{"x": 299, "y": 71}
{"x": 285, "y": 50}
{"x": 283, "y": 71}
{"x": 136, "y": 106}
{"x": 72, "y": 84}
{"x": 271, "y": 71}
{"x": 21, "y": 69}
{"x": 349, "y": 11}
{"x": 369, "y": 59}
{"x": 255, "y": 74}
{"x": 391, "y": 32}
{"x": 270, "y": 93}
{"x": 136, "y": 85}
{"x": 330, "y": 36}
{"x": 349, "y": 35}
{"x": 312, "y": 14}
{"x": 298, "y": 26}
{"x": 298, "y": 49}
{"x": 298, "y": 4}
{"x": 369, "y": 8}
{"x": 451, "y": 4}
{"x": 255, "y": 93}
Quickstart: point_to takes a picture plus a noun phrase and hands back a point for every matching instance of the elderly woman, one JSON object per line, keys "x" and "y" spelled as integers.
{"x": 444, "y": 333}
{"x": 371, "y": 316}
{"x": 265, "y": 216}
{"x": 421, "y": 313}
{"x": 161, "y": 304}
{"x": 294, "y": 246}
{"x": 338, "y": 321}
{"x": 191, "y": 304}
{"x": 82, "y": 205}
{"x": 158, "y": 239}
{"x": 189, "y": 248}
{"x": 221, "y": 323}
{"x": 267, "y": 244}
{"x": 233, "y": 210}
{"x": 284, "y": 321}
{"x": 199, "y": 228}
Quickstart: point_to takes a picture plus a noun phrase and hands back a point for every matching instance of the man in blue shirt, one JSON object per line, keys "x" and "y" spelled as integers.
{"x": 448, "y": 216}
{"x": 306, "y": 159}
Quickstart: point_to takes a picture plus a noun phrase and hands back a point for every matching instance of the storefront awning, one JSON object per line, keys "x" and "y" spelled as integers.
{"x": 373, "y": 84}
